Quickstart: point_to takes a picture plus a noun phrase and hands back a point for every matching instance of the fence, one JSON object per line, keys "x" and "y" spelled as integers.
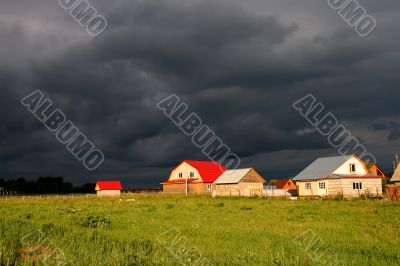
{"x": 274, "y": 192}
{"x": 266, "y": 192}
{"x": 50, "y": 196}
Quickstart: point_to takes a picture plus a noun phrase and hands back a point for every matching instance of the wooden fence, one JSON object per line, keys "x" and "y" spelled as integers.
{"x": 49, "y": 196}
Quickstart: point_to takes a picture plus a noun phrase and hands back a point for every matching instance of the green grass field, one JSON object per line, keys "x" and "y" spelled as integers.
{"x": 198, "y": 230}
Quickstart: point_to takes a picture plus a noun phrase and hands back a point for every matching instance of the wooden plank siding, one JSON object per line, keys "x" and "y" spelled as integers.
{"x": 245, "y": 189}
{"x": 370, "y": 186}
{"x": 108, "y": 193}
{"x": 198, "y": 188}
{"x": 250, "y": 185}
{"x": 252, "y": 177}
{"x": 343, "y": 186}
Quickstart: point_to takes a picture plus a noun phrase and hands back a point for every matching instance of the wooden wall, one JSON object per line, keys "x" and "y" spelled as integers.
{"x": 344, "y": 186}
{"x": 370, "y": 186}
{"x": 181, "y": 188}
{"x": 242, "y": 189}
{"x": 108, "y": 193}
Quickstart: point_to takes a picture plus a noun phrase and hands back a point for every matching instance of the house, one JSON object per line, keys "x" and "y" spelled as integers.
{"x": 240, "y": 182}
{"x": 286, "y": 184}
{"x": 341, "y": 175}
{"x": 396, "y": 176}
{"x": 193, "y": 177}
{"x": 108, "y": 188}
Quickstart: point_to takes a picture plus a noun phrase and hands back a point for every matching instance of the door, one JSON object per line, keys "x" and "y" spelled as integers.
{"x": 322, "y": 189}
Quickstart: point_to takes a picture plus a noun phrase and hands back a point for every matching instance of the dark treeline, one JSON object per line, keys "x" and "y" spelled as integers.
{"x": 43, "y": 185}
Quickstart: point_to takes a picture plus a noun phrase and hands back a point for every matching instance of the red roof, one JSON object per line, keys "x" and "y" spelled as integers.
{"x": 208, "y": 170}
{"x": 376, "y": 169}
{"x": 283, "y": 184}
{"x": 108, "y": 185}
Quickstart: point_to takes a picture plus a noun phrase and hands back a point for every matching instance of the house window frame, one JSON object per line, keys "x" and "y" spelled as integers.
{"x": 209, "y": 187}
{"x": 352, "y": 168}
{"x": 357, "y": 185}
{"x": 322, "y": 185}
{"x": 180, "y": 175}
{"x": 307, "y": 185}
{"x": 191, "y": 174}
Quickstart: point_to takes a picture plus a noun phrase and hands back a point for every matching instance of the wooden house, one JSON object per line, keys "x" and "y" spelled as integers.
{"x": 341, "y": 175}
{"x": 193, "y": 177}
{"x": 108, "y": 188}
{"x": 240, "y": 182}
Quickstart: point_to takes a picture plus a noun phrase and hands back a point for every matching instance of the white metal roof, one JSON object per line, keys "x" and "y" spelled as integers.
{"x": 322, "y": 167}
{"x": 232, "y": 176}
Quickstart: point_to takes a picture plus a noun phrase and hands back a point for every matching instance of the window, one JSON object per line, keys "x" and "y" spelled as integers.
{"x": 321, "y": 185}
{"x": 209, "y": 186}
{"x": 352, "y": 168}
{"x": 357, "y": 185}
{"x": 308, "y": 185}
{"x": 180, "y": 175}
{"x": 191, "y": 174}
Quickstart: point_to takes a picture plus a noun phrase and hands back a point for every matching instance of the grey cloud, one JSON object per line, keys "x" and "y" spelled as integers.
{"x": 239, "y": 65}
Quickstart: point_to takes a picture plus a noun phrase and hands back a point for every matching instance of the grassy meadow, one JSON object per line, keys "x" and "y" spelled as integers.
{"x": 198, "y": 230}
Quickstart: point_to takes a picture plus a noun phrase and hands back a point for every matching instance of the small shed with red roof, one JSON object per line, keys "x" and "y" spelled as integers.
{"x": 286, "y": 184}
{"x": 193, "y": 176}
{"x": 108, "y": 188}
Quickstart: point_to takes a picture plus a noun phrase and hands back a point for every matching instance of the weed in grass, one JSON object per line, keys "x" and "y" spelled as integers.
{"x": 169, "y": 206}
{"x": 94, "y": 221}
{"x": 25, "y": 216}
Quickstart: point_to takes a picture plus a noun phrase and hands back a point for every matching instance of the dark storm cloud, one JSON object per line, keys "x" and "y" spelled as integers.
{"x": 240, "y": 66}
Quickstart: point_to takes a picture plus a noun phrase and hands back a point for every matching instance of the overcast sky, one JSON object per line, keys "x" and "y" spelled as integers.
{"x": 238, "y": 64}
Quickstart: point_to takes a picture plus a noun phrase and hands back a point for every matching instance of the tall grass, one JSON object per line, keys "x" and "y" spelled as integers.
{"x": 222, "y": 231}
